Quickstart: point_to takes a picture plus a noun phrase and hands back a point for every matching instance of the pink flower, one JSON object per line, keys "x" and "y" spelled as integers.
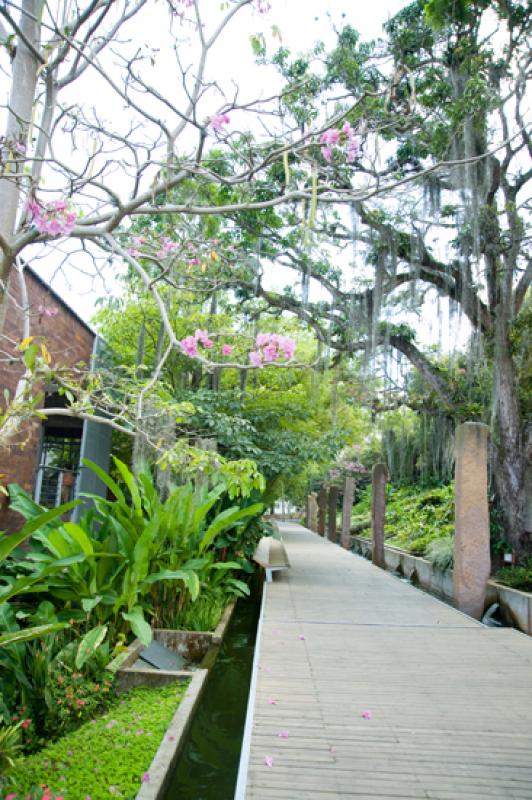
{"x": 11, "y": 796}
{"x": 255, "y": 358}
{"x": 138, "y": 240}
{"x": 60, "y": 205}
{"x": 20, "y": 148}
{"x": 26, "y": 724}
{"x": 217, "y": 122}
{"x": 189, "y": 346}
{"x": 227, "y": 349}
{"x": 145, "y": 778}
{"x": 347, "y": 130}
{"x": 133, "y": 252}
{"x": 327, "y": 153}
{"x": 352, "y": 151}
{"x": 288, "y": 347}
{"x": 330, "y": 137}
{"x": 268, "y": 760}
{"x": 270, "y": 353}
{"x": 283, "y": 734}
{"x": 367, "y": 715}
{"x": 48, "y": 312}
{"x": 193, "y": 262}
{"x": 262, "y": 339}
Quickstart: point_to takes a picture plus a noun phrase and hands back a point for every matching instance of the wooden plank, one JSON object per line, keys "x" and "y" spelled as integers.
{"x": 450, "y": 701}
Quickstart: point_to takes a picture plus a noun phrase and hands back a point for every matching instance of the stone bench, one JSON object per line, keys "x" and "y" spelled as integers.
{"x": 271, "y": 555}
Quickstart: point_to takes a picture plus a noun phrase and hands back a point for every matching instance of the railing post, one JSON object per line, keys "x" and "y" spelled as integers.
{"x": 312, "y": 512}
{"x": 471, "y": 519}
{"x": 347, "y": 505}
{"x": 322, "y": 510}
{"x": 333, "y": 503}
{"x": 379, "y": 478}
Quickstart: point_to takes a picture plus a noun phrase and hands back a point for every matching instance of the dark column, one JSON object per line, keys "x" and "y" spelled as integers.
{"x": 347, "y": 505}
{"x": 322, "y": 510}
{"x": 379, "y": 478}
{"x": 333, "y": 503}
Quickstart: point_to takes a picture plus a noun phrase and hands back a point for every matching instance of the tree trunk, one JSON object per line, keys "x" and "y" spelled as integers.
{"x": 24, "y": 81}
{"x": 509, "y": 473}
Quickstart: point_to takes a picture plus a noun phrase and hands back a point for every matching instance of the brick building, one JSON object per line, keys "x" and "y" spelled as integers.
{"x": 45, "y": 458}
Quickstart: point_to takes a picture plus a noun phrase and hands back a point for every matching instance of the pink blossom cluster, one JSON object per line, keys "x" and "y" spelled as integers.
{"x": 189, "y": 345}
{"x": 165, "y": 246}
{"x": 218, "y": 121}
{"x": 48, "y": 312}
{"x": 271, "y": 347}
{"x": 55, "y": 218}
{"x": 344, "y": 139}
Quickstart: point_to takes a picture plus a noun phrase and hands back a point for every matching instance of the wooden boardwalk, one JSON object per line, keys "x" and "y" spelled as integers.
{"x": 450, "y": 700}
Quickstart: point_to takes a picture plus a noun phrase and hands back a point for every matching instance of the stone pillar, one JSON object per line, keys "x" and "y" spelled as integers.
{"x": 471, "y": 519}
{"x": 333, "y": 503}
{"x": 322, "y": 510}
{"x": 379, "y": 478}
{"x": 347, "y": 505}
{"x": 312, "y": 510}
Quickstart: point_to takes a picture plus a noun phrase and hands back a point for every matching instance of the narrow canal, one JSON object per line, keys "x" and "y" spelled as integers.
{"x": 208, "y": 765}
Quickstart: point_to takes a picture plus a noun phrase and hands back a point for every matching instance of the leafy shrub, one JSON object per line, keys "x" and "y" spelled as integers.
{"x": 517, "y": 577}
{"x": 440, "y": 552}
{"x": 10, "y": 745}
{"x": 414, "y": 518}
{"x": 107, "y": 756}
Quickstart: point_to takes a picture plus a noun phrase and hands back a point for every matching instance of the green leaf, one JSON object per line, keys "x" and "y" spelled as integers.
{"x": 226, "y": 520}
{"x": 31, "y": 633}
{"x": 89, "y": 644}
{"x": 104, "y": 477}
{"x": 139, "y": 626}
{"x": 79, "y": 536}
{"x": 8, "y": 543}
{"x": 88, "y": 603}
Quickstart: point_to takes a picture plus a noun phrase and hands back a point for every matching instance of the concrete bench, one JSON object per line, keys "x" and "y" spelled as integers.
{"x": 271, "y": 555}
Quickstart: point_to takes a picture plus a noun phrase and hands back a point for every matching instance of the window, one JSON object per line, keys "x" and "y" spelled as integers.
{"x": 58, "y": 464}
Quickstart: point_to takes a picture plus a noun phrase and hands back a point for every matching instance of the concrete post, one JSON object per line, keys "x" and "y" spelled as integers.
{"x": 312, "y": 518}
{"x": 347, "y": 505}
{"x": 379, "y": 478}
{"x": 322, "y": 510}
{"x": 471, "y": 519}
{"x": 333, "y": 503}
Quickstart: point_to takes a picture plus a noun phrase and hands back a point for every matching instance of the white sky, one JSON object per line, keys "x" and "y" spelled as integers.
{"x": 301, "y": 24}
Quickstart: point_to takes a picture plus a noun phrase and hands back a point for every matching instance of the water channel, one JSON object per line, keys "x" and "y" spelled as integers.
{"x": 208, "y": 765}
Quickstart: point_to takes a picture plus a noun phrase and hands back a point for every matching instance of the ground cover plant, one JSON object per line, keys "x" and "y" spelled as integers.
{"x": 414, "y": 518}
{"x": 517, "y": 577}
{"x": 108, "y": 756}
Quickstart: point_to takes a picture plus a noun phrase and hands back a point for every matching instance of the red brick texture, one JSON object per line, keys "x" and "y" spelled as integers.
{"x": 68, "y": 340}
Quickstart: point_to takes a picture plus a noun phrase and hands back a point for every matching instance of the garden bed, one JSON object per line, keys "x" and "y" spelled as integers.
{"x": 126, "y": 752}
{"x": 516, "y": 606}
{"x": 195, "y": 648}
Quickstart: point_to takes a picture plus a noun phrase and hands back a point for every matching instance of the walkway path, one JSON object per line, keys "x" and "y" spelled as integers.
{"x": 450, "y": 700}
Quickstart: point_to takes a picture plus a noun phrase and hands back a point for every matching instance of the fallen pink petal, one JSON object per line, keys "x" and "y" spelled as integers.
{"x": 367, "y": 715}
{"x": 268, "y": 760}
{"x": 283, "y": 734}
{"x": 301, "y": 636}
{"x": 272, "y": 702}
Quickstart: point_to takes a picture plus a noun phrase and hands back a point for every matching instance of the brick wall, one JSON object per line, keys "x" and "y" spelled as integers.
{"x": 68, "y": 341}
